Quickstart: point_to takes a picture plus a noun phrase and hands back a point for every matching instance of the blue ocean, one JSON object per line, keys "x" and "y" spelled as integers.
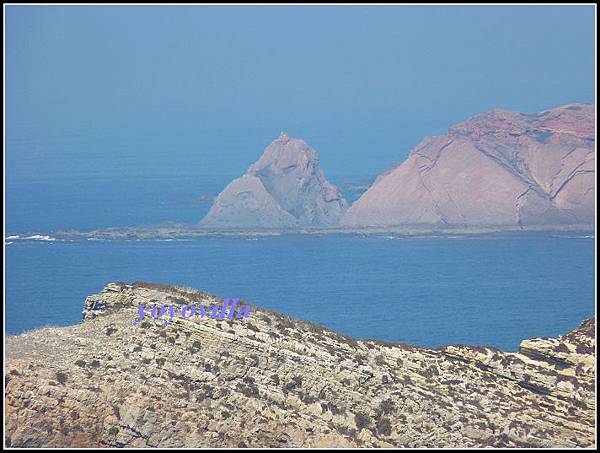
{"x": 487, "y": 290}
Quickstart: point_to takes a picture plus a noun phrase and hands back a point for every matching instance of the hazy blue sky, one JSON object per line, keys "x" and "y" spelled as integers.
{"x": 192, "y": 90}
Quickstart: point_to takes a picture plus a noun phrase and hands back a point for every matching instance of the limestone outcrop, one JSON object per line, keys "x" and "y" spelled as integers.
{"x": 273, "y": 381}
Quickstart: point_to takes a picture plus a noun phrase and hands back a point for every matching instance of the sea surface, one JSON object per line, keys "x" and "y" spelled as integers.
{"x": 430, "y": 291}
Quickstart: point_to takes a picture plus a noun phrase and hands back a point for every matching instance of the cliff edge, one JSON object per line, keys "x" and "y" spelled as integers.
{"x": 270, "y": 380}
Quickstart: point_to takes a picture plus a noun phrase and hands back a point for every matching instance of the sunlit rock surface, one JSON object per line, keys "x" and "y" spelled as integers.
{"x": 274, "y": 381}
{"x": 498, "y": 168}
{"x": 284, "y": 189}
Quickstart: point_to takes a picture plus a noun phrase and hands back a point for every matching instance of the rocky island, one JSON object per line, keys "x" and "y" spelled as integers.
{"x": 497, "y": 169}
{"x": 500, "y": 171}
{"x": 285, "y": 188}
{"x": 273, "y": 381}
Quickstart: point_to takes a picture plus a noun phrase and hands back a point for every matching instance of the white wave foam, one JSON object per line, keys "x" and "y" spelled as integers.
{"x": 39, "y": 237}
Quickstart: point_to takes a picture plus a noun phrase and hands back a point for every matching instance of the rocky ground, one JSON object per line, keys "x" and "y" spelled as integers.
{"x": 271, "y": 380}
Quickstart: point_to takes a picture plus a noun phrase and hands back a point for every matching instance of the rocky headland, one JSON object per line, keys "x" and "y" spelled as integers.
{"x": 499, "y": 168}
{"x": 273, "y": 381}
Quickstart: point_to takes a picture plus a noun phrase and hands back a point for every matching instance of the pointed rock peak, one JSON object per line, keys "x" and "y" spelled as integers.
{"x": 284, "y": 188}
{"x": 283, "y": 139}
{"x": 285, "y": 152}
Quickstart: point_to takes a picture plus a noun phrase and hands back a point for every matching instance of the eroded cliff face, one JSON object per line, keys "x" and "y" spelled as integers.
{"x": 270, "y": 380}
{"x": 498, "y": 168}
{"x": 284, "y": 189}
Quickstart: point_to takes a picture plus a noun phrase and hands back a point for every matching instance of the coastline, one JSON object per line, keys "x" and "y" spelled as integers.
{"x": 167, "y": 231}
{"x": 276, "y": 381}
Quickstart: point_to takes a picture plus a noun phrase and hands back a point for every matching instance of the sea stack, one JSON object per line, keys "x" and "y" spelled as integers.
{"x": 499, "y": 168}
{"x": 285, "y": 188}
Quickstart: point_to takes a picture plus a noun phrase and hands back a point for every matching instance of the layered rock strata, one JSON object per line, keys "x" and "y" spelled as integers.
{"x": 273, "y": 381}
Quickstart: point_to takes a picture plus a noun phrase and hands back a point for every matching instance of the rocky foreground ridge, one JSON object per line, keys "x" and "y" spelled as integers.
{"x": 498, "y": 168}
{"x": 270, "y": 380}
{"x": 285, "y": 188}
